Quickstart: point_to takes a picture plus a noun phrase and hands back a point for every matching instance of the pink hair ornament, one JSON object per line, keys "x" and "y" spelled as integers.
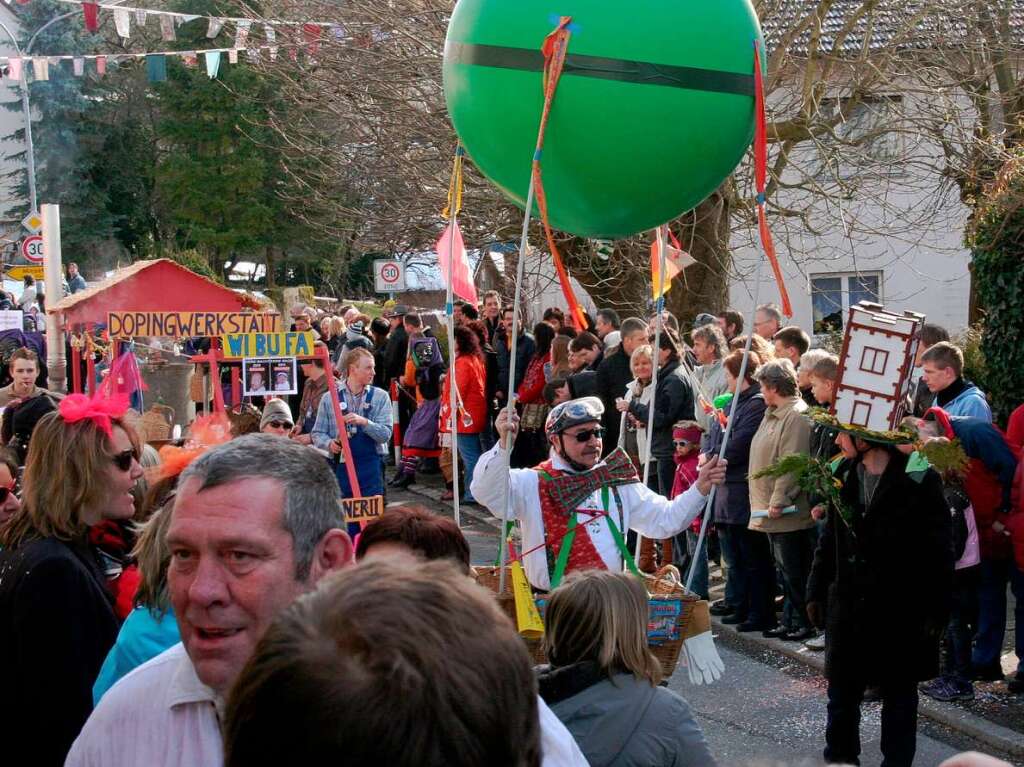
{"x": 99, "y": 409}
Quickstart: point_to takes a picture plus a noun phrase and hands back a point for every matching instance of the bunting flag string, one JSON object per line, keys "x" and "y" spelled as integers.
{"x": 141, "y": 14}
{"x": 40, "y": 65}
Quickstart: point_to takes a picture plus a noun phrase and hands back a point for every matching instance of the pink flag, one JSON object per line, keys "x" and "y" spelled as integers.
{"x": 124, "y": 377}
{"x": 462, "y": 284}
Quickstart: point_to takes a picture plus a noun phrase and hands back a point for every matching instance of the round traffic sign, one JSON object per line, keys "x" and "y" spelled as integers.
{"x": 390, "y": 272}
{"x": 32, "y": 248}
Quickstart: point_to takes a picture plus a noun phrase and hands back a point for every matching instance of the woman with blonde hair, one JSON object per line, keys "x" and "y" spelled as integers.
{"x": 57, "y": 618}
{"x": 633, "y": 433}
{"x": 603, "y": 681}
{"x": 558, "y": 367}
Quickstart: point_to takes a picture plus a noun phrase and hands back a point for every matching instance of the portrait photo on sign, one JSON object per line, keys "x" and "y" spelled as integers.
{"x": 264, "y": 376}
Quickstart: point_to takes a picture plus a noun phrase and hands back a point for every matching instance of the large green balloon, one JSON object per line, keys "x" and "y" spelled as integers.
{"x": 654, "y": 110}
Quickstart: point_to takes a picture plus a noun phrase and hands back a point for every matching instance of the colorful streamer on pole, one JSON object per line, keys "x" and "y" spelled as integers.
{"x": 761, "y": 176}
{"x": 555, "y": 48}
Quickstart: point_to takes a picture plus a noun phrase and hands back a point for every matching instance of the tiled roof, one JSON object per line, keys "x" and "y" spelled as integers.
{"x": 902, "y": 23}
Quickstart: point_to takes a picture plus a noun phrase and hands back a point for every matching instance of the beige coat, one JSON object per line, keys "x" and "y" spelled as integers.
{"x": 783, "y": 431}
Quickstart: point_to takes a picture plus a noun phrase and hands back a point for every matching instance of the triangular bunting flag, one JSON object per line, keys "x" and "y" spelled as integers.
{"x": 156, "y": 67}
{"x": 122, "y": 23}
{"x": 233, "y": 56}
{"x": 78, "y": 67}
{"x": 89, "y": 12}
{"x": 312, "y": 34}
{"x": 40, "y": 68}
{"x": 270, "y": 33}
{"x": 242, "y": 33}
{"x": 212, "y": 63}
{"x": 167, "y": 28}
{"x": 141, "y": 17}
{"x": 450, "y": 248}
{"x": 101, "y": 65}
{"x": 14, "y": 69}
{"x": 216, "y": 25}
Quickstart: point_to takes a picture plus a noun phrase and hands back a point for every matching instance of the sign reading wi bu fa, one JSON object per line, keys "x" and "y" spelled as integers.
{"x": 238, "y": 346}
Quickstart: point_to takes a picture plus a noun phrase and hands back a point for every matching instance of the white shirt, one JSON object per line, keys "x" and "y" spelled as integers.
{"x": 159, "y": 715}
{"x": 643, "y": 510}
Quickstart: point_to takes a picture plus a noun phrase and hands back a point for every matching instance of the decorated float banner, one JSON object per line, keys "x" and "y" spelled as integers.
{"x": 269, "y": 376}
{"x": 189, "y": 324}
{"x": 362, "y": 510}
{"x": 236, "y": 346}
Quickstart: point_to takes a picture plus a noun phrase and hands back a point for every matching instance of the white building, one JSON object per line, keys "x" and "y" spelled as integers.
{"x": 897, "y": 238}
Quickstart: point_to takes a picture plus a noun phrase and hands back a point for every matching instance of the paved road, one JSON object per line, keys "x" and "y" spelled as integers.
{"x": 770, "y": 709}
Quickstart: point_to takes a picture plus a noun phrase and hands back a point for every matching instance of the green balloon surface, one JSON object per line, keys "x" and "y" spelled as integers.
{"x": 655, "y": 108}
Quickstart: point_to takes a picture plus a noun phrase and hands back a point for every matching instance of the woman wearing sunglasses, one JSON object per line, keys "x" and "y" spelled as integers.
{"x": 57, "y": 618}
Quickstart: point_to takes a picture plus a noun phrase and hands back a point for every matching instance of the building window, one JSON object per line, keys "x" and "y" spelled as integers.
{"x": 874, "y": 360}
{"x": 832, "y": 295}
{"x": 866, "y": 140}
{"x": 861, "y": 413}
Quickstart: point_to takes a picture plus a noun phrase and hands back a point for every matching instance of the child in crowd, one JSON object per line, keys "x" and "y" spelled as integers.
{"x": 686, "y": 436}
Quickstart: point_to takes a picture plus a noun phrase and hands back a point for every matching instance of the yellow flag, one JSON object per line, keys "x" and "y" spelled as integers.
{"x": 528, "y": 619}
{"x": 676, "y": 259}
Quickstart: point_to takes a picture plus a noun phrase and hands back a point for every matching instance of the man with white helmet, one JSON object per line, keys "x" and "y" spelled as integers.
{"x": 574, "y": 508}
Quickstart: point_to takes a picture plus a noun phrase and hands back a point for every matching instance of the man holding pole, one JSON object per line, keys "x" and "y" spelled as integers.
{"x": 366, "y": 412}
{"x": 574, "y": 507}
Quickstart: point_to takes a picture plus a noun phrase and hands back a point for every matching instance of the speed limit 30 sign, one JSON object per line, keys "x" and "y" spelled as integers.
{"x": 388, "y": 276}
{"x": 32, "y": 249}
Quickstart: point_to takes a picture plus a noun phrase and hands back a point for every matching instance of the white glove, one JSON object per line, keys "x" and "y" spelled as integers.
{"x": 702, "y": 659}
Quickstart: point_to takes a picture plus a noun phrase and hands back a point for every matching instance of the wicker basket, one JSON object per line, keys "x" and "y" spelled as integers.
{"x": 155, "y": 424}
{"x": 671, "y": 611}
{"x": 489, "y": 578}
{"x": 671, "y": 608}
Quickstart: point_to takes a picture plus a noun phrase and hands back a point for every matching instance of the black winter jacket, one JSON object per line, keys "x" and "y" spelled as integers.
{"x": 673, "y": 401}
{"x": 885, "y": 579}
{"x": 57, "y": 624}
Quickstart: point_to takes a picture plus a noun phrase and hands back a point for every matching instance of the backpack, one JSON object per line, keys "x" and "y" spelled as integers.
{"x": 959, "y": 507}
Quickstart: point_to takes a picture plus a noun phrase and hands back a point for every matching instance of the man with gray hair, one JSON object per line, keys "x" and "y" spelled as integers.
{"x": 767, "y": 321}
{"x": 256, "y": 522}
{"x": 709, "y": 347}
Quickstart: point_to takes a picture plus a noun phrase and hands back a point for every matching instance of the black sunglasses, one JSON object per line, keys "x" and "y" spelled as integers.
{"x": 5, "y": 493}
{"x": 683, "y": 443}
{"x": 279, "y": 425}
{"x": 123, "y": 460}
{"x": 585, "y": 436}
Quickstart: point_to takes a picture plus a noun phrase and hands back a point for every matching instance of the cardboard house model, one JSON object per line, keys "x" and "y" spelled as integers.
{"x": 875, "y": 366}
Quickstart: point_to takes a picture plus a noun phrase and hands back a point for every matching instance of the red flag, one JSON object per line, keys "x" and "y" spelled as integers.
{"x": 101, "y": 65}
{"x": 89, "y": 12}
{"x": 462, "y": 284}
{"x": 312, "y": 34}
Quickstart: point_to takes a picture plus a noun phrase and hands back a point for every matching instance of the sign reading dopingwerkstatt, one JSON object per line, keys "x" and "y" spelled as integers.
{"x": 238, "y": 346}
{"x": 190, "y": 324}
{"x": 362, "y": 510}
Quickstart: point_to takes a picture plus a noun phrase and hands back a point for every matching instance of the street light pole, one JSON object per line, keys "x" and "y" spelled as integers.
{"x": 30, "y": 154}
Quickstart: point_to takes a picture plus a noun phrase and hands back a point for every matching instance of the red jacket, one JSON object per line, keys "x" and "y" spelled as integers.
{"x": 470, "y": 380}
{"x": 531, "y": 390}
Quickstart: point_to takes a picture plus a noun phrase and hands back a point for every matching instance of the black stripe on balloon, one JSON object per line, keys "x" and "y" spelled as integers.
{"x": 621, "y": 70}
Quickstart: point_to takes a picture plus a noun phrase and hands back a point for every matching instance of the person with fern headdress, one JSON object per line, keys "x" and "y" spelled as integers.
{"x": 880, "y": 585}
